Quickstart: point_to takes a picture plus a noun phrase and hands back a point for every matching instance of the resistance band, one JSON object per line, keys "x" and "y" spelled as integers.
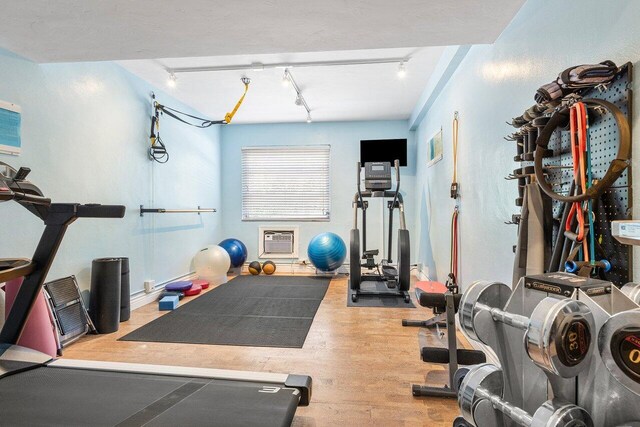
{"x": 452, "y": 281}
{"x": 581, "y": 154}
{"x": 591, "y": 213}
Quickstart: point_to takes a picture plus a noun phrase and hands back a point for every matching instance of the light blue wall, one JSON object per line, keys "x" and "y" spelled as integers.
{"x": 493, "y": 84}
{"x": 344, "y": 138}
{"x": 84, "y": 135}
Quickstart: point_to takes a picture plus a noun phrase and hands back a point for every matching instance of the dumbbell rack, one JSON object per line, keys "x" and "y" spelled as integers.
{"x": 526, "y": 385}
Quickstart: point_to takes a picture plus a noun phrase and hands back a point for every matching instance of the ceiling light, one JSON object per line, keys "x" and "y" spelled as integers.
{"x": 285, "y": 78}
{"x": 308, "y": 117}
{"x": 171, "y": 81}
{"x": 402, "y": 71}
{"x": 298, "y": 100}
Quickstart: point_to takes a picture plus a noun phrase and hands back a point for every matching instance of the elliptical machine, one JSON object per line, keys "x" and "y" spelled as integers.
{"x": 377, "y": 182}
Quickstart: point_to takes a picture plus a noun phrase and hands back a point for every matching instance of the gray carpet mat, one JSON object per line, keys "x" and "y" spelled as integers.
{"x": 257, "y": 311}
{"x": 377, "y": 301}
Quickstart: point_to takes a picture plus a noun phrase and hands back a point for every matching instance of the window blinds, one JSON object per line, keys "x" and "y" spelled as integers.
{"x": 286, "y": 183}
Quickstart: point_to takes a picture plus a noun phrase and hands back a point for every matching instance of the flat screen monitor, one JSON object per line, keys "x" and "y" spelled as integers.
{"x": 383, "y": 150}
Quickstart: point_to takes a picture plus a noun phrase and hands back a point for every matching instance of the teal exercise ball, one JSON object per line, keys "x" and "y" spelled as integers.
{"x": 327, "y": 251}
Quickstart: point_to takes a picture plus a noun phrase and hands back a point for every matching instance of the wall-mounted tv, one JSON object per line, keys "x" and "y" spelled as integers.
{"x": 383, "y": 150}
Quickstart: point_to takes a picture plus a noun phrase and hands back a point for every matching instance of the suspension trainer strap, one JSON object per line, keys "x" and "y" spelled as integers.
{"x": 454, "y": 181}
{"x": 229, "y": 116}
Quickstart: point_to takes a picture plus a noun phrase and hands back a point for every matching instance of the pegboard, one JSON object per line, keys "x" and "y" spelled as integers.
{"x": 615, "y": 203}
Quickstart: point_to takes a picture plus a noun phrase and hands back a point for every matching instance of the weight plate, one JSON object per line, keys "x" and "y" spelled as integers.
{"x": 560, "y": 335}
{"x": 479, "y": 293}
{"x": 484, "y": 378}
{"x": 554, "y": 413}
{"x": 619, "y": 346}
{"x": 625, "y": 347}
{"x": 632, "y": 290}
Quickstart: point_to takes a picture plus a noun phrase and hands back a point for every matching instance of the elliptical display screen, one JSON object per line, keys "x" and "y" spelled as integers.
{"x": 383, "y": 150}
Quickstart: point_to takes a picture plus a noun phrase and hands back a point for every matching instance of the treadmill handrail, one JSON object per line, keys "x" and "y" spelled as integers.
{"x": 23, "y": 267}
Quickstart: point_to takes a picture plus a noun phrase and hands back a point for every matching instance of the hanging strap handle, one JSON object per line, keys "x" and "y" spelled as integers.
{"x": 454, "y": 181}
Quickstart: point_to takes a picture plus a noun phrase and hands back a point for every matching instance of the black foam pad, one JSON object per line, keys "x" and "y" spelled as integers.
{"x": 441, "y": 355}
{"x": 436, "y": 300}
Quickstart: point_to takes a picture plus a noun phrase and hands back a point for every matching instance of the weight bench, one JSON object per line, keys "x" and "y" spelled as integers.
{"x": 438, "y": 320}
{"x": 445, "y": 303}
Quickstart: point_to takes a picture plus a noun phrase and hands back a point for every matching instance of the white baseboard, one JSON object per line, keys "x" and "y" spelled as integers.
{"x": 144, "y": 298}
{"x": 297, "y": 268}
{"x": 422, "y": 272}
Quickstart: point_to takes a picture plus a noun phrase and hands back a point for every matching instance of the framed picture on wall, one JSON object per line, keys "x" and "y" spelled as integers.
{"x": 10, "y": 142}
{"x": 434, "y": 149}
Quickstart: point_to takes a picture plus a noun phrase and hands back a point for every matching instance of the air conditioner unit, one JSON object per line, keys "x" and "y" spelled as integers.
{"x": 278, "y": 242}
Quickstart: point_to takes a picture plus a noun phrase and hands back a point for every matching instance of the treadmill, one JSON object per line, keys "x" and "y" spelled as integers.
{"x": 36, "y": 390}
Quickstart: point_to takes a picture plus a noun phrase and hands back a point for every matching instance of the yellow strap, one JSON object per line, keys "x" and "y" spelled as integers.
{"x": 229, "y": 116}
{"x": 455, "y": 147}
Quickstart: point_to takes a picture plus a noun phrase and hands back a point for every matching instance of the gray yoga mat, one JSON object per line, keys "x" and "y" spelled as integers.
{"x": 257, "y": 311}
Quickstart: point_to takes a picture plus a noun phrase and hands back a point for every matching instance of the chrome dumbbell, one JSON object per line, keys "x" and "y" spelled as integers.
{"x": 481, "y": 404}
{"x": 558, "y": 335}
{"x": 619, "y": 347}
{"x": 632, "y": 290}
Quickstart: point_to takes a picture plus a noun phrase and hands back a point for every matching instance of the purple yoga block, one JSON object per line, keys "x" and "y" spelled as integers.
{"x": 179, "y": 286}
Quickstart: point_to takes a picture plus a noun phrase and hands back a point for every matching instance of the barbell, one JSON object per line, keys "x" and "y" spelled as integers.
{"x": 558, "y": 335}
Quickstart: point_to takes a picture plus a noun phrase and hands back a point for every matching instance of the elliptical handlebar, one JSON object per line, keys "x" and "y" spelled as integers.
{"x": 396, "y": 165}
{"x": 360, "y": 198}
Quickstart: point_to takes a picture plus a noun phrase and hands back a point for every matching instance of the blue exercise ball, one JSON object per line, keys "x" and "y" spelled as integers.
{"x": 327, "y": 251}
{"x": 236, "y": 249}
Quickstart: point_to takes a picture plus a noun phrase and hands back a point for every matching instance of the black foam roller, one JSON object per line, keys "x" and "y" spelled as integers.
{"x": 125, "y": 290}
{"x": 104, "y": 301}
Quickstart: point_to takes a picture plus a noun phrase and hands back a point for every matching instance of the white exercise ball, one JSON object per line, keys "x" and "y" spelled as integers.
{"x": 212, "y": 264}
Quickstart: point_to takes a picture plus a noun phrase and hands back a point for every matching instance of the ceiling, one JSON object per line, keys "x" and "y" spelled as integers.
{"x": 139, "y": 34}
{"x": 335, "y": 93}
{"x": 81, "y": 30}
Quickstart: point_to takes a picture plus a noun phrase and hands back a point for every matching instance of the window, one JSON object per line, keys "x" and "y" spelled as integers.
{"x": 286, "y": 183}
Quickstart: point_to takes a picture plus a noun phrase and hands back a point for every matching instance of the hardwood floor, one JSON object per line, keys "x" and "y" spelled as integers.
{"x": 362, "y": 361}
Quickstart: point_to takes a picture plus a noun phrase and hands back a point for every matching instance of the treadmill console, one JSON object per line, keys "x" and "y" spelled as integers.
{"x": 377, "y": 176}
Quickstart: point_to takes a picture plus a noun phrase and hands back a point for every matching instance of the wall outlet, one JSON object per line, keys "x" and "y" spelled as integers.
{"x": 149, "y": 285}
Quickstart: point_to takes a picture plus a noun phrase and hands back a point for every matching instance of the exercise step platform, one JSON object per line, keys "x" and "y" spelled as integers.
{"x": 441, "y": 355}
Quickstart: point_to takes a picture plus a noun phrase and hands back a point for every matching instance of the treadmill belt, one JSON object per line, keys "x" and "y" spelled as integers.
{"x": 258, "y": 311}
{"x": 49, "y": 396}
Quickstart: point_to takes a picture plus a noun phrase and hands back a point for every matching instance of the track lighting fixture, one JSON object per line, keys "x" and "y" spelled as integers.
{"x": 402, "y": 71}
